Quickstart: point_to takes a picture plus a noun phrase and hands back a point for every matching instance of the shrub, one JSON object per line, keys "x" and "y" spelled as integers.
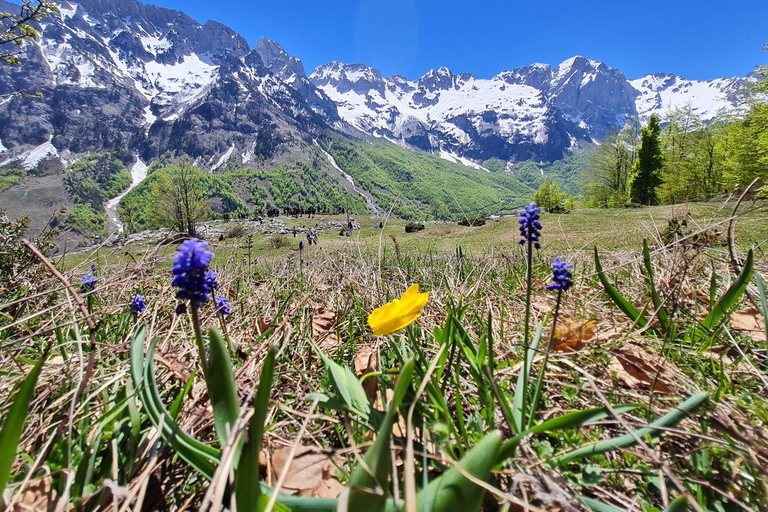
{"x": 413, "y": 227}
{"x": 278, "y": 242}
{"x": 236, "y": 231}
{"x": 477, "y": 221}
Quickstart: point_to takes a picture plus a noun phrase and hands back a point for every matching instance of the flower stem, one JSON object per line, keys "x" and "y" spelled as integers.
{"x": 526, "y": 330}
{"x": 540, "y": 379}
{"x": 199, "y": 339}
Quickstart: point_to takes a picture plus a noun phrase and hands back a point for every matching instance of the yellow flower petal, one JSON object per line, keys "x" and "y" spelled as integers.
{"x": 399, "y": 313}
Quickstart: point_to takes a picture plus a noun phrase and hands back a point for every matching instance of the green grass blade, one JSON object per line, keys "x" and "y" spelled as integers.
{"x": 661, "y": 311}
{"x": 763, "y": 300}
{"x": 520, "y": 417}
{"x": 452, "y": 490}
{"x": 731, "y": 296}
{"x": 670, "y": 419}
{"x": 221, "y": 387}
{"x": 179, "y": 401}
{"x": 247, "y": 488}
{"x": 377, "y": 458}
{"x": 618, "y": 299}
{"x": 13, "y": 426}
{"x": 564, "y": 422}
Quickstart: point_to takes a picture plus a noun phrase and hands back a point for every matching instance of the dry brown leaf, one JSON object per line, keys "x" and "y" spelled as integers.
{"x": 175, "y": 366}
{"x": 639, "y": 370}
{"x": 570, "y": 335}
{"x": 751, "y": 322}
{"x": 365, "y": 363}
{"x": 309, "y": 473}
{"x": 399, "y": 428}
{"x": 38, "y": 496}
{"x": 263, "y": 325}
{"x": 322, "y": 328}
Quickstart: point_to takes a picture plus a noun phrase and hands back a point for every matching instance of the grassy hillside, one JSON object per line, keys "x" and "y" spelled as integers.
{"x": 565, "y": 172}
{"x": 416, "y": 185}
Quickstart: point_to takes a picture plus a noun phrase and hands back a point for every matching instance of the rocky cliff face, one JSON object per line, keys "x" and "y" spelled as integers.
{"x": 122, "y": 74}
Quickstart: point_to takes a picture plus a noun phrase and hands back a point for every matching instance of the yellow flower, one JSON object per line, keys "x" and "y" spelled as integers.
{"x": 399, "y": 313}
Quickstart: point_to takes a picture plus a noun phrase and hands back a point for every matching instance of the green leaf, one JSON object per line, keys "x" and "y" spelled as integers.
{"x": 200, "y": 456}
{"x": 519, "y": 416}
{"x": 247, "y": 488}
{"x": 179, "y": 401}
{"x": 453, "y": 491}
{"x": 221, "y": 387}
{"x": 362, "y": 484}
{"x": 564, "y": 422}
{"x": 618, "y": 299}
{"x": 599, "y": 506}
{"x": 13, "y": 426}
{"x": 679, "y": 504}
{"x": 655, "y": 429}
{"x": 661, "y": 311}
{"x": 763, "y": 300}
{"x": 347, "y": 385}
{"x": 729, "y": 299}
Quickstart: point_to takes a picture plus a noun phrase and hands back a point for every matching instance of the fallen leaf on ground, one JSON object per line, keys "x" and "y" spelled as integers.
{"x": 322, "y": 328}
{"x": 640, "y": 370}
{"x": 309, "y": 473}
{"x": 365, "y": 363}
{"x": 263, "y": 325}
{"x": 38, "y": 496}
{"x": 570, "y": 335}
{"x": 750, "y": 322}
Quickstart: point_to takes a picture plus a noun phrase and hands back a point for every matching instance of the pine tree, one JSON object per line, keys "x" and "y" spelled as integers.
{"x": 647, "y": 169}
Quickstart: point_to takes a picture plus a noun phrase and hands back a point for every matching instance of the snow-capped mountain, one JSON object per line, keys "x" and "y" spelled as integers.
{"x": 122, "y": 74}
{"x": 532, "y": 111}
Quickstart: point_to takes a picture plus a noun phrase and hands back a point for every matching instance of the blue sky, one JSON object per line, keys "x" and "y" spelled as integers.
{"x": 699, "y": 39}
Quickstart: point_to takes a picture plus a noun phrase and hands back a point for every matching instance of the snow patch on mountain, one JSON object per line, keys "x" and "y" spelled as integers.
{"x": 447, "y": 155}
{"x": 182, "y": 82}
{"x": 662, "y": 93}
{"x": 223, "y": 158}
{"x": 439, "y": 101}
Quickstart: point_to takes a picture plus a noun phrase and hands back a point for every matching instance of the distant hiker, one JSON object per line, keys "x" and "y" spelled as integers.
{"x": 294, "y": 232}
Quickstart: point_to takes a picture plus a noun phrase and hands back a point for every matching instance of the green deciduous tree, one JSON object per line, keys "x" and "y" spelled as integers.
{"x": 693, "y": 158}
{"x": 605, "y": 181}
{"x": 646, "y": 172}
{"x": 551, "y": 199}
{"x": 745, "y": 144}
{"x": 179, "y": 198}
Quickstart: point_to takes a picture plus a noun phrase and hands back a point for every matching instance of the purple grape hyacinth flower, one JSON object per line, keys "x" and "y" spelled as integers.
{"x": 190, "y": 272}
{"x": 530, "y": 226}
{"x": 210, "y": 279}
{"x": 222, "y": 306}
{"x": 137, "y": 304}
{"x": 89, "y": 283}
{"x": 561, "y": 277}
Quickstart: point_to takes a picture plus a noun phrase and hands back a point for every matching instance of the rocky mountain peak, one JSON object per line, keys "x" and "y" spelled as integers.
{"x": 278, "y": 61}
